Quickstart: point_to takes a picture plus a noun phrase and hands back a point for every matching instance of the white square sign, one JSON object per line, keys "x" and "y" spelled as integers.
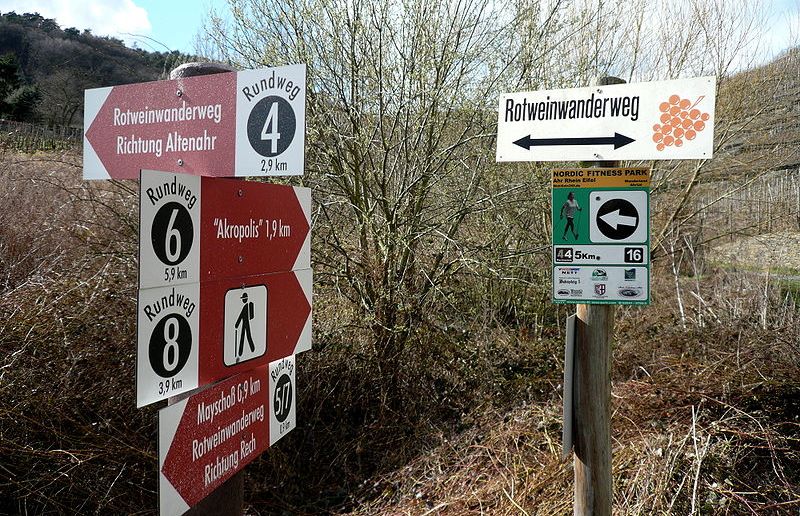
{"x": 169, "y": 229}
{"x": 245, "y": 331}
{"x": 168, "y": 340}
{"x": 618, "y": 216}
{"x": 271, "y": 121}
{"x": 283, "y": 416}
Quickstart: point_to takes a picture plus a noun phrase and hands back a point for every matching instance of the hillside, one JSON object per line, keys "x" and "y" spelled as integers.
{"x": 44, "y": 68}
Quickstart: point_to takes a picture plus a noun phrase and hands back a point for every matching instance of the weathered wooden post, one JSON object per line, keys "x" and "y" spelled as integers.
{"x": 592, "y": 396}
{"x": 228, "y": 499}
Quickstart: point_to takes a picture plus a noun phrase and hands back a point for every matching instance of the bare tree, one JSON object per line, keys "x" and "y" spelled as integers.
{"x": 401, "y": 124}
{"x": 401, "y": 114}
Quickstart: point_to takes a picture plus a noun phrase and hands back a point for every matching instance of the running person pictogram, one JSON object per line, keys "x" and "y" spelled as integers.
{"x": 570, "y": 206}
{"x": 245, "y": 316}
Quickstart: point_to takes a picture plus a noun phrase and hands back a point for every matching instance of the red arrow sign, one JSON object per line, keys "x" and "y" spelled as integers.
{"x": 251, "y": 228}
{"x": 248, "y": 123}
{"x": 206, "y": 438}
{"x": 200, "y": 229}
{"x": 150, "y": 125}
{"x": 188, "y": 339}
{"x": 223, "y": 338}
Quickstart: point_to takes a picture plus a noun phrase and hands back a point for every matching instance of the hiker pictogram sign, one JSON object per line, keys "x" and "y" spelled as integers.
{"x": 196, "y": 334}
{"x": 245, "y": 331}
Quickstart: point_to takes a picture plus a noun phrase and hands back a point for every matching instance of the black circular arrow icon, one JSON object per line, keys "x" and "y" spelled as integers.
{"x": 617, "y": 219}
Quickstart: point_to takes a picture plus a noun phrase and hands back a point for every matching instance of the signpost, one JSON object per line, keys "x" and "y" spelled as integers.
{"x": 601, "y": 235}
{"x": 601, "y": 227}
{"x": 217, "y": 292}
{"x": 248, "y": 123}
{"x": 195, "y": 334}
{"x": 648, "y": 120}
{"x": 195, "y": 229}
{"x": 224, "y": 265}
{"x": 206, "y": 438}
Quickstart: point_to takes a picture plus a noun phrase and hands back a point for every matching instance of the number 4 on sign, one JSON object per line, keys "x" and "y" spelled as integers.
{"x": 270, "y": 131}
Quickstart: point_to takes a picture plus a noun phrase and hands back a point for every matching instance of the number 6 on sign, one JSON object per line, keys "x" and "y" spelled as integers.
{"x": 173, "y": 234}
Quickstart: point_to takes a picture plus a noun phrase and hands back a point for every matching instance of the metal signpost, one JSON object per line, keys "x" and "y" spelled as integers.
{"x": 601, "y": 228}
{"x": 248, "y": 123}
{"x": 225, "y": 275}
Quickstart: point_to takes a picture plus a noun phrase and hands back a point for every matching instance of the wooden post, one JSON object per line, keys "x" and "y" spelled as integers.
{"x": 592, "y": 397}
{"x": 227, "y": 499}
{"x": 592, "y": 415}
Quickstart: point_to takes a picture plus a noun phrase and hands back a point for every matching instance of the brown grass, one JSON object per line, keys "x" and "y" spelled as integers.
{"x": 705, "y": 416}
{"x": 705, "y": 421}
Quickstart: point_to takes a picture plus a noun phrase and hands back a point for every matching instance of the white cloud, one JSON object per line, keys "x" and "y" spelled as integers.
{"x": 116, "y": 18}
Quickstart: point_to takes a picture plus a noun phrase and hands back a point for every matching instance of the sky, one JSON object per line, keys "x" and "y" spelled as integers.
{"x": 161, "y": 25}
{"x": 155, "y": 25}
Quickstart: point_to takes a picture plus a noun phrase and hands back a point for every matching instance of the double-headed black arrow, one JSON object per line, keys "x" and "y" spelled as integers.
{"x": 618, "y": 140}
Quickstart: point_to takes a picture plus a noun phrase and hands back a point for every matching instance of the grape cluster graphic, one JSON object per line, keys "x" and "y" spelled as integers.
{"x": 680, "y": 121}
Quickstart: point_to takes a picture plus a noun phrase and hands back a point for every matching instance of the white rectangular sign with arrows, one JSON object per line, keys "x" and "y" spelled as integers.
{"x": 648, "y": 120}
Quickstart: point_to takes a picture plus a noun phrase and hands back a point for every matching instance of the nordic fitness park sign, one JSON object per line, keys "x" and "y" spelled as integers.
{"x": 650, "y": 120}
{"x": 249, "y": 123}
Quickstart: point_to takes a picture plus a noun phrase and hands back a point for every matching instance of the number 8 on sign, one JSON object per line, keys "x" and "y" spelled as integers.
{"x": 170, "y": 345}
